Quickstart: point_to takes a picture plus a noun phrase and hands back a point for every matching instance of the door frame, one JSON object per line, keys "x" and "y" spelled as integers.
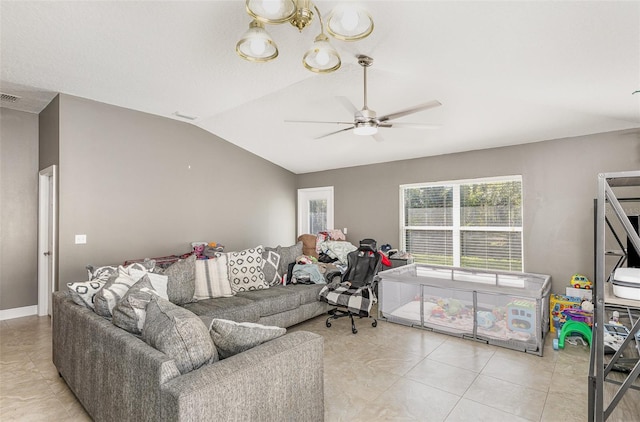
{"x": 47, "y": 235}
{"x": 306, "y": 194}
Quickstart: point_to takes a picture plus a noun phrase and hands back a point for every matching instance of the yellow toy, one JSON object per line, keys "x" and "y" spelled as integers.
{"x": 580, "y": 282}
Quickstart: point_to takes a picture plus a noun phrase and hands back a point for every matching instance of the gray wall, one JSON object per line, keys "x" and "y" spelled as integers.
{"x": 18, "y": 209}
{"x": 559, "y": 180}
{"x": 140, "y": 185}
{"x": 49, "y": 122}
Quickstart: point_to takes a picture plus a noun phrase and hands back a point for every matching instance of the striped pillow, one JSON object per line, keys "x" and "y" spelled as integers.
{"x": 212, "y": 278}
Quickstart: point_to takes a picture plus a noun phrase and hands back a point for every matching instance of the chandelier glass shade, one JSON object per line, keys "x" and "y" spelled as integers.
{"x": 256, "y": 44}
{"x": 347, "y": 22}
{"x": 322, "y": 57}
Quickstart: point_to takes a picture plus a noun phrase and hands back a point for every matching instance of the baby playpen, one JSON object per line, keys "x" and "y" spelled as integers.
{"x": 503, "y": 308}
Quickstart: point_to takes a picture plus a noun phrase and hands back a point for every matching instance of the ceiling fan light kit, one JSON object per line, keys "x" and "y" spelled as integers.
{"x": 347, "y": 22}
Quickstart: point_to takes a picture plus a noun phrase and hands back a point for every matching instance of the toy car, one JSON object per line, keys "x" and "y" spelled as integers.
{"x": 580, "y": 282}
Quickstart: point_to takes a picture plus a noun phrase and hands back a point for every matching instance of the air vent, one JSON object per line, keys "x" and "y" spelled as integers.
{"x": 8, "y": 98}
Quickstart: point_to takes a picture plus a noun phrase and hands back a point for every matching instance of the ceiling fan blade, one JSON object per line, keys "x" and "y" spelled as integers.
{"x": 409, "y": 125}
{"x": 317, "y": 121}
{"x": 333, "y": 133}
{"x": 348, "y": 105}
{"x": 411, "y": 110}
{"x": 377, "y": 137}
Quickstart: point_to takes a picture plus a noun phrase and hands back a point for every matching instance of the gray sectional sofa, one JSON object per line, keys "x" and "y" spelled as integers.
{"x": 117, "y": 376}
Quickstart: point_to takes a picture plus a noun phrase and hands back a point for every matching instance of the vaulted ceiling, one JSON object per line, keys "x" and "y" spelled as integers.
{"x": 506, "y": 72}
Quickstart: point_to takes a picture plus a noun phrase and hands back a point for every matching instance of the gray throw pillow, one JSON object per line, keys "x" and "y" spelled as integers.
{"x": 129, "y": 314}
{"x": 113, "y": 291}
{"x": 231, "y": 338}
{"x": 179, "y": 334}
{"x": 270, "y": 262}
{"x": 182, "y": 280}
{"x": 288, "y": 254}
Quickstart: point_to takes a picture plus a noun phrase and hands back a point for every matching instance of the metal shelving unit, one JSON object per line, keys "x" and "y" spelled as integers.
{"x": 599, "y": 370}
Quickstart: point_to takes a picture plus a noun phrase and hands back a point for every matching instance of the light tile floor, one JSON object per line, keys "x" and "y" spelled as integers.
{"x": 387, "y": 373}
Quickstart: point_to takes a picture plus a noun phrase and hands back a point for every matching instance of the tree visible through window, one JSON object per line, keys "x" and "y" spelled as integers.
{"x": 475, "y": 224}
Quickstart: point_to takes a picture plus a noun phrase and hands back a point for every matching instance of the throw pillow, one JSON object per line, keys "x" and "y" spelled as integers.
{"x": 270, "y": 261}
{"x": 83, "y": 293}
{"x": 129, "y": 314}
{"x": 212, "y": 278}
{"x": 181, "y": 285}
{"x": 288, "y": 255}
{"x": 103, "y": 273}
{"x": 231, "y": 337}
{"x": 158, "y": 281}
{"x": 113, "y": 291}
{"x": 179, "y": 334}
{"x": 245, "y": 270}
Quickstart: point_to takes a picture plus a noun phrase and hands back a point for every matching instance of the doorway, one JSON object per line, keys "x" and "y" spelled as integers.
{"x": 315, "y": 210}
{"x": 47, "y": 230}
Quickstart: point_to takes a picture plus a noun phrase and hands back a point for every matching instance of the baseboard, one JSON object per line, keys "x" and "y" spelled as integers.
{"x": 18, "y": 312}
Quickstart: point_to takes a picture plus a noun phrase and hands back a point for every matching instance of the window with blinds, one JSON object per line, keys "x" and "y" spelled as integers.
{"x": 472, "y": 223}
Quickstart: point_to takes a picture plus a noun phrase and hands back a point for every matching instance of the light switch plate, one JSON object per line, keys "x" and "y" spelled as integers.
{"x": 81, "y": 239}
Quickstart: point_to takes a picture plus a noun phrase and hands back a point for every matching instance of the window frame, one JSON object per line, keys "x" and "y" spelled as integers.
{"x": 456, "y": 228}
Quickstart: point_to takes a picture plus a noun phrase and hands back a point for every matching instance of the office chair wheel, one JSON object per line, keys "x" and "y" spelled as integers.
{"x": 374, "y": 323}
{"x": 354, "y": 331}
{"x": 328, "y": 324}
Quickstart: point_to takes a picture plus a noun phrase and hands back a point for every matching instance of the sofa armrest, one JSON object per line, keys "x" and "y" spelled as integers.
{"x": 115, "y": 375}
{"x": 279, "y": 380}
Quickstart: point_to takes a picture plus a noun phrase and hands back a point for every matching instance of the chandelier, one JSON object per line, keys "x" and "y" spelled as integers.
{"x": 346, "y": 22}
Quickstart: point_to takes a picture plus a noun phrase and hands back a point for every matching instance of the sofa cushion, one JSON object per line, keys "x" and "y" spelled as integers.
{"x": 212, "y": 278}
{"x": 113, "y": 291}
{"x": 273, "y": 301}
{"x": 179, "y": 334}
{"x": 270, "y": 262}
{"x": 231, "y": 338}
{"x": 245, "y": 270}
{"x": 308, "y": 293}
{"x": 182, "y": 275}
{"x": 83, "y": 292}
{"x": 234, "y": 308}
{"x": 129, "y": 314}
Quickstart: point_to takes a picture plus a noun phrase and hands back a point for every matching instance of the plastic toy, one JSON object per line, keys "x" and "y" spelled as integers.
{"x": 558, "y": 303}
{"x": 570, "y": 328}
{"x": 521, "y": 316}
{"x": 485, "y": 319}
{"x": 580, "y": 282}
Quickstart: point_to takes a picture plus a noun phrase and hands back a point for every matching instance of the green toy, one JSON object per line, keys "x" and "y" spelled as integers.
{"x": 572, "y": 327}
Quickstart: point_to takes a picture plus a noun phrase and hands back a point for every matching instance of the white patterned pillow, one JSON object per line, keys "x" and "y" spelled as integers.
{"x": 113, "y": 291}
{"x": 212, "y": 278}
{"x": 103, "y": 273}
{"x": 158, "y": 281}
{"x": 130, "y": 313}
{"x": 83, "y": 292}
{"x": 270, "y": 262}
{"x": 245, "y": 270}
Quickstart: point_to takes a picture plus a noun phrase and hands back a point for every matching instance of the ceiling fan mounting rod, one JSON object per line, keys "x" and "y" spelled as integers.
{"x": 365, "y": 62}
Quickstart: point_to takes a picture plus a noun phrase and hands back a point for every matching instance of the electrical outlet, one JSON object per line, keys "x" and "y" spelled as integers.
{"x": 344, "y": 230}
{"x": 81, "y": 239}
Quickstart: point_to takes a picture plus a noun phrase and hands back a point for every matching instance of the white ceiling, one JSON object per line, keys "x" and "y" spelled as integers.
{"x": 506, "y": 72}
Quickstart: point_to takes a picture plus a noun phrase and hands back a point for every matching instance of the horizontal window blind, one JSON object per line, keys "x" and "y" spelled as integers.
{"x": 475, "y": 224}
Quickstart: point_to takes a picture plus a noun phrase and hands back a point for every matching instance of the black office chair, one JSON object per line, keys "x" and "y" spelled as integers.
{"x": 353, "y": 295}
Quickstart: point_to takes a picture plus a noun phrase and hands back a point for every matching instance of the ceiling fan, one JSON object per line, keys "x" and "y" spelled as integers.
{"x": 366, "y": 121}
